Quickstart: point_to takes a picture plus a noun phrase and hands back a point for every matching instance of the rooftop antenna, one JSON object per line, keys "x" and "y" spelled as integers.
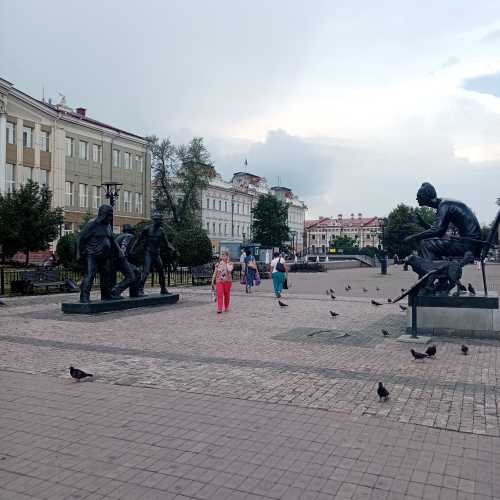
{"x": 43, "y": 93}
{"x": 246, "y": 164}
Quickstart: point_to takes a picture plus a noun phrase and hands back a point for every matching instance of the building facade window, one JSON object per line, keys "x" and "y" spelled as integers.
{"x": 208, "y": 202}
{"x": 69, "y": 194}
{"x": 68, "y": 228}
{"x": 220, "y": 205}
{"x": 126, "y": 161}
{"x": 97, "y": 153}
{"x": 225, "y": 206}
{"x": 138, "y": 163}
{"x": 44, "y": 178}
{"x": 213, "y": 227}
{"x": 208, "y": 227}
{"x": 138, "y": 203}
{"x": 11, "y": 133}
{"x": 70, "y": 147}
{"x": 96, "y": 196}
{"x": 127, "y": 201}
{"x": 84, "y": 150}
{"x": 25, "y": 174}
{"x": 225, "y": 228}
{"x": 27, "y": 137}
{"x": 83, "y": 196}
{"x": 116, "y": 158}
{"x": 213, "y": 204}
{"x": 7, "y": 179}
{"x": 44, "y": 141}
{"x": 238, "y": 229}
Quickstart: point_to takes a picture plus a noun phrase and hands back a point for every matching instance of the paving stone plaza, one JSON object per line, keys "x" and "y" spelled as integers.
{"x": 257, "y": 403}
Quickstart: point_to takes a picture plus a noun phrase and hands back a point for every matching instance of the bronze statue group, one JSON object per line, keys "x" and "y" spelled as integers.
{"x": 101, "y": 252}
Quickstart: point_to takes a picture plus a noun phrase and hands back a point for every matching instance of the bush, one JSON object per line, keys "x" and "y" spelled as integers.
{"x": 193, "y": 246}
{"x": 66, "y": 252}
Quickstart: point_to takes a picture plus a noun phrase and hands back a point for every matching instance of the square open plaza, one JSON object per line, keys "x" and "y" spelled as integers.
{"x": 261, "y": 402}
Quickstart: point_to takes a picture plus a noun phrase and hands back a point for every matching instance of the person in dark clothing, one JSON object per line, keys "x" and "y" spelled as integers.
{"x": 433, "y": 245}
{"x": 97, "y": 247}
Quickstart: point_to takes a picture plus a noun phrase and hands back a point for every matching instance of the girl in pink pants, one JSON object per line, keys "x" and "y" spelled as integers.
{"x": 223, "y": 281}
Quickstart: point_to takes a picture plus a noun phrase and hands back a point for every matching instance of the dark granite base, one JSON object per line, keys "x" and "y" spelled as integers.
{"x": 465, "y": 301}
{"x": 102, "y": 306}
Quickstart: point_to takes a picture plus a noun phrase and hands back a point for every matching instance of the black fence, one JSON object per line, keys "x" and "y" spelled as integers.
{"x": 14, "y": 282}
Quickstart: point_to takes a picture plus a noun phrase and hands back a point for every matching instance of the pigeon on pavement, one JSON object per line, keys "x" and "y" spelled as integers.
{"x": 465, "y": 350}
{"x": 402, "y": 307}
{"x": 332, "y": 296}
{"x": 332, "y": 291}
{"x": 382, "y": 392}
{"x": 431, "y": 351}
{"x": 375, "y": 303}
{"x": 78, "y": 374}
{"x": 333, "y": 314}
{"x": 470, "y": 289}
{"x": 385, "y": 333}
{"x": 418, "y": 355}
{"x": 365, "y": 289}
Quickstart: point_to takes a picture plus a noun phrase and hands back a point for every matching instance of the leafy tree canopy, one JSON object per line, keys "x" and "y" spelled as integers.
{"x": 33, "y": 223}
{"x": 270, "y": 222}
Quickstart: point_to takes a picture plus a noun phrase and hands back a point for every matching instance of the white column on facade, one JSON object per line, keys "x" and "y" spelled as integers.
{"x": 36, "y": 147}
{"x": 58, "y": 166}
{"x": 3, "y": 131}
{"x": 20, "y": 150}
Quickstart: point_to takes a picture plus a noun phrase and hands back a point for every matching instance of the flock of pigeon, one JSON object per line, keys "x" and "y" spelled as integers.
{"x": 430, "y": 352}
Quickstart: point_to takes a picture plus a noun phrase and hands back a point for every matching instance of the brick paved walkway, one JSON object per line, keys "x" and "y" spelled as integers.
{"x": 66, "y": 440}
{"x": 293, "y": 385}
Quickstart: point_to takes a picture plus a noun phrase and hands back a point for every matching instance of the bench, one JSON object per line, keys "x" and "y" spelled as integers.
{"x": 33, "y": 280}
{"x": 202, "y": 275}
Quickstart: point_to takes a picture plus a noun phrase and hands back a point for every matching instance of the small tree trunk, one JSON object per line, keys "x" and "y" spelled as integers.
{"x": 27, "y": 261}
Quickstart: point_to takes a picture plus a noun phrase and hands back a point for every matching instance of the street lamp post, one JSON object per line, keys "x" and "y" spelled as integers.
{"x": 112, "y": 191}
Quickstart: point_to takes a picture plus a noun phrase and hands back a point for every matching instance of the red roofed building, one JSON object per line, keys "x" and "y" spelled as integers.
{"x": 367, "y": 231}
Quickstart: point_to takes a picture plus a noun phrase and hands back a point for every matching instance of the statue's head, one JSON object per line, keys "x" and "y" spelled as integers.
{"x": 128, "y": 229}
{"x": 426, "y": 195}
{"x": 105, "y": 214}
{"x": 157, "y": 220}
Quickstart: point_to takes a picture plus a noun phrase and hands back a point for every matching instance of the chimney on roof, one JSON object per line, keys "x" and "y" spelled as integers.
{"x": 360, "y": 215}
{"x": 352, "y": 216}
{"x": 81, "y": 111}
{"x": 339, "y": 216}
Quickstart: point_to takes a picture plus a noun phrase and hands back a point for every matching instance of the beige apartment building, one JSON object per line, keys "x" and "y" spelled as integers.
{"x": 73, "y": 155}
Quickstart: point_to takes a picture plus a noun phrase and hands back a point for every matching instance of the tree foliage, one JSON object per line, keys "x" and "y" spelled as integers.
{"x": 192, "y": 244}
{"x": 33, "y": 223}
{"x": 344, "y": 243}
{"x": 66, "y": 252}
{"x": 402, "y": 222}
{"x": 180, "y": 173}
{"x": 270, "y": 222}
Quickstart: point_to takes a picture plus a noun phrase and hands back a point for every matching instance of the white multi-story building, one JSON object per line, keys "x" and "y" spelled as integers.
{"x": 366, "y": 231}
{"x": 227, "y": 209}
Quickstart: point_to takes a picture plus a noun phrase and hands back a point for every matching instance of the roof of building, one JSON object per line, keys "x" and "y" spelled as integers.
{"x": 324, "y": 222}
{"x": 65, "y": 111}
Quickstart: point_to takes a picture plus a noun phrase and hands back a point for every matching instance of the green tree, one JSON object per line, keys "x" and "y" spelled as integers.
{"x": 180, "y": 173}
{"x": 344, "y": 243}
{"x": 35, "y": 223}
{"x": 192, "y": 254}
{"x": 402, "y": 222}
{"x": 66, "y": 252}
{"x": 270, "y": 221}
{"x": 8, "y": 230}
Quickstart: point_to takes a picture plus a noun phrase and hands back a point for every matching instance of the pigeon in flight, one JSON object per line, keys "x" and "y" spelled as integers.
{"x": 333, "y": 314}
{"x": 382, "y": 392}
{"x": 375, "y": 303}
{"x": 431, "y": 351}
{"x": 332, "y": 296}
{"x": 385, "y": 333}
{"x": 402, "y": 307}
{"x": 332, "y": 291}
{"x": 418, "y": 355}
{"x": 465, "y": 350}
{"x": 78, "y": 374}
{"x": 282, "y": 304}
{"x": 470, "y": 289}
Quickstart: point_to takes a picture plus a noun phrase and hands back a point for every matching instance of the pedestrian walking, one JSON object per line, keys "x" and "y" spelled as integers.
{"x": 223, "y": 282}
{"x": 278, "y": 273}
{"x": 250, "y": 271}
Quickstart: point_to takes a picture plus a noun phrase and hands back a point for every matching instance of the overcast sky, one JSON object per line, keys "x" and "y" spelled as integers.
{"x": 352, "y": 104}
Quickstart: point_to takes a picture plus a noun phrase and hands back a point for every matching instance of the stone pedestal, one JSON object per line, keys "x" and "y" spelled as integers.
{"x": 463, "y": 316}
{"x": 102, "y": 306}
